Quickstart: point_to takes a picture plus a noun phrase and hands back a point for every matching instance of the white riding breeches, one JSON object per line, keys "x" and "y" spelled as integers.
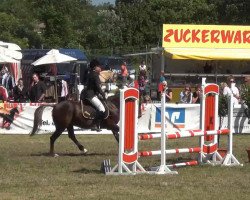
{"x": 97, "y": 103}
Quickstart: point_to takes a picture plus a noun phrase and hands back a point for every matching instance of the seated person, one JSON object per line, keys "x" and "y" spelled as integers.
{"x": 168, "y": 91}
{"x": 20, "y": 93}
{"x": 186, "y": 95}
{"x": 197, "y": 94}
{"x": 93, "y": 90}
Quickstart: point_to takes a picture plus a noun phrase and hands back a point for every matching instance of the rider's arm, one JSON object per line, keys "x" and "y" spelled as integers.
{"x": 98, "y": 86}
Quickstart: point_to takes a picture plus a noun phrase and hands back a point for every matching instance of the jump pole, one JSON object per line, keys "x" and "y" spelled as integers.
{"x": 230, "y": 159}
{"x": 163, "y": 168}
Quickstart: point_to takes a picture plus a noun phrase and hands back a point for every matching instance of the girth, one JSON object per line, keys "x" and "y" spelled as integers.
{"x": 90, "y": 112}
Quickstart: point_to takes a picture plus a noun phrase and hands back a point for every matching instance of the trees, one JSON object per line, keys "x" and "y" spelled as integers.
{"x": 133, "y": 23}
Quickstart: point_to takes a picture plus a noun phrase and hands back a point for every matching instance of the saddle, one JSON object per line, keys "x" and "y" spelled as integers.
{"x": 90, "y": 112}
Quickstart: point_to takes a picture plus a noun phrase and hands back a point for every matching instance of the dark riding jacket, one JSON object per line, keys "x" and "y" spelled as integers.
{"x": 93, "y": 86}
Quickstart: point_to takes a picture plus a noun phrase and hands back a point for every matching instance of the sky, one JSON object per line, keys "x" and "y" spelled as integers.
{"x": 96, "y": 2}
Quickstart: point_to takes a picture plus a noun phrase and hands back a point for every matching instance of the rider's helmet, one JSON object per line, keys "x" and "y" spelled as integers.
{"x": 94, "y": 63}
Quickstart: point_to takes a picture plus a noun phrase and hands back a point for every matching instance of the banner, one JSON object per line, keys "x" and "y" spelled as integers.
{"x": 186, "y": 117}
{"x": 205, "y": 36}
{"x": 18, "y": 118}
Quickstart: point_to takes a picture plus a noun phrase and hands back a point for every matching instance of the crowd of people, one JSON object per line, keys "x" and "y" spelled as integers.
{"x": 9, "y": 91}
{"x": 189, "y": 95}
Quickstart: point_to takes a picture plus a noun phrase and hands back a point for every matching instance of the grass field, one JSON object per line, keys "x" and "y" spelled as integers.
{"x": 26, "y": 172}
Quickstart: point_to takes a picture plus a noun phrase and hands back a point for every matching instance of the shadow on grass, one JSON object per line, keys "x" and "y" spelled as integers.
{"x": 72, "y": 154}
{"x": 88, "y": 171}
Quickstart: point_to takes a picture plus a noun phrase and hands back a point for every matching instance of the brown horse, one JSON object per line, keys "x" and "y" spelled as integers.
{"x": 67, "y": 114}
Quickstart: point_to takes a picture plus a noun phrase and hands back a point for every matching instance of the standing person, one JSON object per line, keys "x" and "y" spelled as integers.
{"x": 162, "y": 77}
{"x": 8, "y": 81}
{"x": 92, "y": 92}
{"x": 160, "y": 85}
{"x": 143, "y": 70}
{"x": 186, "y": 95}
{"x": 3, "y": 94}
{"x": 245, "y": 96}
{"x": 141, "y": 85}
{"x": 232, "y": 89}
{"x": 168, "y": 91}
{"x": 143, "y": 66}
{"x": 37, "y": 90}
{"x": 124, "y": 73}
{"x": 197, "y": 94}
{"x": 20, "y": 93}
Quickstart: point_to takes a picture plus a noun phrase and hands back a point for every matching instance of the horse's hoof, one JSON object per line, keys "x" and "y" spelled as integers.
{"x": 84, "y": 151}
{"x": 53, "y": 155}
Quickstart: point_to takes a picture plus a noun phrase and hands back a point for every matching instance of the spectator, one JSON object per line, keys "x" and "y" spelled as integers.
{"x": 245, "y": 96}
{"x": 141, "y": 84}
{"x": 244, "y": 88}
{"x": 162, "y": 77}
{"x": 143, "y": 70}
{"x": 197, "y": 94}
{"x": 142, "y": 66}
{"x": 62, "y": 90}
{"x": 3, "y": 94}
{"x": 232, "y": 90}
{"x": 168, "y": 91}
{"x": 8, "y": 81}
{"x": 38, "y": 89}
{"x": 124, "y": 73}
{"x": 222, "y": 86}
{"x": 20, "y": 93}
{"x": 208, "y": 68}
{"x": 186, "y": 95}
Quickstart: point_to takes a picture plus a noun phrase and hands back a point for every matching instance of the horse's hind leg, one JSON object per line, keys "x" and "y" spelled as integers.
{"x": 71, "y": 135}
{"x": 53, "y": 138}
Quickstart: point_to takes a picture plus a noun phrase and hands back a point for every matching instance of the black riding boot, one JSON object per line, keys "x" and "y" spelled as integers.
{"x": 99, "y": 118}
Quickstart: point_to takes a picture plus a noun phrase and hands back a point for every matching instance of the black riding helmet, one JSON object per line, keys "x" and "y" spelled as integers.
{"x": 93, "y": 63}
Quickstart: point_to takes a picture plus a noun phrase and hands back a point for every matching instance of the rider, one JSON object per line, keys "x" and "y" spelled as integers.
{"x": 93, "y": 90}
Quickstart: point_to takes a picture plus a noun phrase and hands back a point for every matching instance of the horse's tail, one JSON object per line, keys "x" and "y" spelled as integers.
{"x": 38, "y": 118}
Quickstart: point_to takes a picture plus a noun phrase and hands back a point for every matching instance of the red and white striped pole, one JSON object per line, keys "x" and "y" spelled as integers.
{"x": 170, "y": 151}
{"x": 184, "y": 134}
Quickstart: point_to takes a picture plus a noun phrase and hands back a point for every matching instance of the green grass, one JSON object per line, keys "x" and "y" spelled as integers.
{"x": 26, "y": 172}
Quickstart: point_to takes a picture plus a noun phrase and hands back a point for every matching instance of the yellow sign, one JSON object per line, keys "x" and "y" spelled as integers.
{"x": 205, "y": 36}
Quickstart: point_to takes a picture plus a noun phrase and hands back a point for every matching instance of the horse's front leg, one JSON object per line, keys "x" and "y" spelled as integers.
{"x": 114, "y": 128}
{"x": 71, "y": 135}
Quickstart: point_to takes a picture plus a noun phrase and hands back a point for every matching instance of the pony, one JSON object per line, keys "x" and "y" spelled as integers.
{"x": 107, "y": 77}
{"x": 67, "y": 114}
{"x": 9, "y": 118}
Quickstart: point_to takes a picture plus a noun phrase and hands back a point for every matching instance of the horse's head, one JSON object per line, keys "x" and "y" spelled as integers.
{"x": 114, "y": 77}
{"x": 108, "y": 76}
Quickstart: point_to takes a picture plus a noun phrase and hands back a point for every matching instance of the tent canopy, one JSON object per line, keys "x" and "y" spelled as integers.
{"x": 208, "y": 54}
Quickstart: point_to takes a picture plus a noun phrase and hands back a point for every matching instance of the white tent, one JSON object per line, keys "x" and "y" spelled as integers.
{"x": 53, "y": 57}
